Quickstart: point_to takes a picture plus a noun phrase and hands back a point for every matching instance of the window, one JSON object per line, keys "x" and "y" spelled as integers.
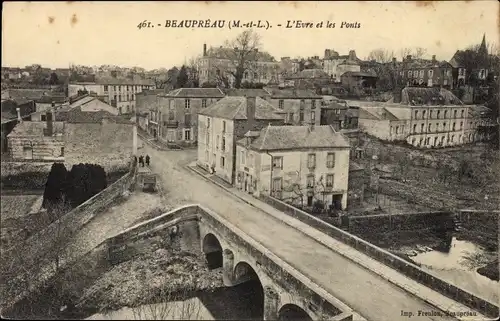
{"x": 255, "y": 75}
{"x": 445, "y": 114}
{"x": 281, "y": 104}
{"x": 208, "y": 123}
{"x": 187, "y": 103}
{"x": 455, "y": 114}
{"x": 223, "y": 144}
{"x": 397, "y": 129}
{"x": 330, "y": 160}
{"x": 171, "y": 115}
{"x": 242, "y": 155}
{"x": 44, "y": 117}
{"x": 422, "y": 128}
{"x": 453, "y": 126}
{"x": 313, "y": 104}
{"x": 329, "y": 180}
{"x": 423, "y": 114}
{"x": 444, "y": 126}
{"x": 277, "y": 184}
{"x": 223, "y": 126}
{"x": 203, "y": 103}
{"x": 438, "y": 112}
{"x": 187, "y": 134}
{"x": 207, "y": 139}
{"x": 278, "y": 162}
{"x": 415, "y": 128}
{"x": 62, "y": 152}
{"x": 206, "y": 155}
{"x": 416, "y": 114}
{"x": 310, "y": 181}
{"x": 311, "y": 161}
{"x": 105, "y": 87}
{"x": 462, "y": 114}
{"x": 313, "y": 116}
{"x": 28, "y": 152}
{"x": 301, "y": 116}
{"x": 461, "y": 125}
{"x": 430, "y": 114}
{"x": 431, "y": 73}
{"x": 421, "y": 74}
{"x": 217, "y": 143}
{"x": 429, "y": 128}
{"x": 452, "y": 138}
{"x": 114, "y": 88}
{"x": 222, "y": 162}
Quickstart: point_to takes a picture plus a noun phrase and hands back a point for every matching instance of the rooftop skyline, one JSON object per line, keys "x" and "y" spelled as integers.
{"x": 97, "y": 33}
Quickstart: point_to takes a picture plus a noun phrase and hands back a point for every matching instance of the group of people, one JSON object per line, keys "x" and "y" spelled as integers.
{"x": 142, "y": 159}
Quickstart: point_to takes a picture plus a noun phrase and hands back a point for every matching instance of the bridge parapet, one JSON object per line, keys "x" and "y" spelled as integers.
{"x": 282, "y": 284}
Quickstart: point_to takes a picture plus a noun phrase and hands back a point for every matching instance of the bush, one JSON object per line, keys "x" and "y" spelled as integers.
{"x": 83, "y": 182}
{"x": 318, "y": 207}
{"x": 55, "y": 186}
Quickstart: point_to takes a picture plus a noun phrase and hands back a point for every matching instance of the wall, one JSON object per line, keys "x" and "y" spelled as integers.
{"x": 97, "y": 105}
{"x": 145, "y": 101}
{"x": 294, "y": 106}
{"x": 108, "y": 144}
{"x": 389, "y": 259}
{"x": 37, "y": 249}
{"x": 24, "y": 175}
{"x": 377, "y": 128}
{"x": 42, "y": 147}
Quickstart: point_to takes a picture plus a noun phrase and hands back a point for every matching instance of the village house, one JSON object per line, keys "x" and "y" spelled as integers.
{"x": 37, "y": 140}
{"x": 358, "y": 81}
{"x": 84, "y": 103}
{"x": 176, "y": 117}
{"x": 299, "y": 106}
{"x": 426, "y": 118}
{"x": 218, "y": 63}
{"x": 336, "y": 65}
{"x": 297, "y": 164}
{"x": 14, "y": 111}
{"x": 427, "y": 73}
{"x": 223, "y": 123}
{"x": 308, "y": 79}
{"x": 118, "y": 92}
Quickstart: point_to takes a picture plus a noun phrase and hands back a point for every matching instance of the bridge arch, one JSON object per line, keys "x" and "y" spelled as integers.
{"x": 246, "y": 278}
{"x": 293, "y": 312}
{"x": 212, "y": 249}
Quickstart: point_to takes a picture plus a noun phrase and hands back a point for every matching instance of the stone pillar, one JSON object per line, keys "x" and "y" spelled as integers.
{"x": 134, "y": 141}
{"x": 227, "y": 267}
{"x": 271, "y": 301}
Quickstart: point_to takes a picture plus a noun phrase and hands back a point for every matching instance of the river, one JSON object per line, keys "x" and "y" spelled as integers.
{"x": 457, "y": 262}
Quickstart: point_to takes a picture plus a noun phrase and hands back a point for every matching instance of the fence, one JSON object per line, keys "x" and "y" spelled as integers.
{"x": 389, "y": 259}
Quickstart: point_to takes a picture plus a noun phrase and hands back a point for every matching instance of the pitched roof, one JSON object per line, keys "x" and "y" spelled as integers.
{"x": 235, "y": 107}
{"x": 297, "y": 137}
{"x": 247, "y": 92}
{"x": 385, "y": 113}
{"x": 293, "y": 93}
{"x": 38, "y": 95}
{"x": 76, "y": 115}
{"x": 428, "y": 96}
{"x": 425, "y": 63}
{"x": 35, "y": 128}
{"x": 195, "y": 93}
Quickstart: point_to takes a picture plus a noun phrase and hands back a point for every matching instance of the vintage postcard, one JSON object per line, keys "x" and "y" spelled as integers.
{"x": 250, "y": 160}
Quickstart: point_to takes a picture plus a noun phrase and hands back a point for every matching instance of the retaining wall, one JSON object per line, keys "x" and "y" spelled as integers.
{"x": 389, "y": 259}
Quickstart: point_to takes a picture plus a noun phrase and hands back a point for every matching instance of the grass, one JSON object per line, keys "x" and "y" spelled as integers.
{"x": 15, "y": 206}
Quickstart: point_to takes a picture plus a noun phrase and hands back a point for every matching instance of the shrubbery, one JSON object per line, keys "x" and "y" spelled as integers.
{"x": 73, "y": 187}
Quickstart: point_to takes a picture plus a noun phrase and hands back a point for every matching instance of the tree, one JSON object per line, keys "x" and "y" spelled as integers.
{"x": 380, "y": 55}
{"x": 242, "y": 54}
{"x": 182, "y": 78}
{"x": 84, "y": 181}
{"x": 415, "y": 52}
{"x": 55, "y": 186}
{"x": 54, "y": 80}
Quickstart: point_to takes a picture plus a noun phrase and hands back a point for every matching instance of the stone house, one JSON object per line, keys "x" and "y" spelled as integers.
{"x": 36, "y": 140}
{"x": 335, "y": 65}
{"x": 223, "y": 123}
{"x": 427, "y": 73}
{"x": 176, "y": 117}
{"x": 14, "y": 111}
{"x": 299, "y": 106}
{"x": 298, "y": 164}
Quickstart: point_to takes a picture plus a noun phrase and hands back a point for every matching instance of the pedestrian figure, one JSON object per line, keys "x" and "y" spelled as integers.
{"x": 135, "y": 160}
{"x": 141, "y": 160}
{"x": 147, "y": 160}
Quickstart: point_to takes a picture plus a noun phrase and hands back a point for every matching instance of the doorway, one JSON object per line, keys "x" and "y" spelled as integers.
{"x": 337, "y": 201}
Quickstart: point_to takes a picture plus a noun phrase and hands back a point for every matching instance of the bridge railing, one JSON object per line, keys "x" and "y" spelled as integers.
{"x": 411, "y": 270}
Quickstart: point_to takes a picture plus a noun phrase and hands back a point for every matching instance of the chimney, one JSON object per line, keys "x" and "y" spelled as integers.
{"x": 397, "y": 95}
{"x": 251, "y": 105}
{"x": 408, "y": 57}
{"x": 352, "y": 55}
{"x": 394, "y": 60}
{"x": 433, "y": 58}
{"x": 18, "y": 110}
{"x": 204, "y": 50}
{"x": 50, "y": 129}
{"x": 327, "y": 53}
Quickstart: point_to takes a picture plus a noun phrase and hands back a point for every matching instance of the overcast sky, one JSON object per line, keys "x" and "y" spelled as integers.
{"x": 56, "y": 34}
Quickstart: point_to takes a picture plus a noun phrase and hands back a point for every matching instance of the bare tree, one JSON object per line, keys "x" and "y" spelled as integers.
{"x": 416, "y": 52}
{"x": 242, "y": 55}
{"x": 380, "y": 55}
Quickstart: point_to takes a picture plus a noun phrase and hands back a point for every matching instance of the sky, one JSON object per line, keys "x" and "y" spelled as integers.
{"x": 56, "y": 34}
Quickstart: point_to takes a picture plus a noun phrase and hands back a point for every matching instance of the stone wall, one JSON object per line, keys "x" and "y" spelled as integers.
{"x": 483, "y": 225}
{"x": 42, "y": 148}
{"x": 389, "y": 259}
{"x": 365, "y": 224}
{"x": 24, "y": 175}
{"x": 38, "y": 249}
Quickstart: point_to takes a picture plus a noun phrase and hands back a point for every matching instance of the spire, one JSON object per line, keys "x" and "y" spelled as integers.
{"x": 483, "y": 52}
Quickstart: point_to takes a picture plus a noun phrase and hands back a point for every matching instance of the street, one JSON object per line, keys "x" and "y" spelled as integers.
{"x": 364, "y": 291}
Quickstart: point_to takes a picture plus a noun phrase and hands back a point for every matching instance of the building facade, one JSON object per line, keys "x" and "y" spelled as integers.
{"x": 119, "y": 93}
{"x": 223, "y": 123}
{"x": 177, "y": 113}
{"x": 427, "y": 73}
{"x": 219, "y": 63}
{"x": 297, "y": 164}
{"x": 336, "y": 65}
{"x": 298, "y": 106}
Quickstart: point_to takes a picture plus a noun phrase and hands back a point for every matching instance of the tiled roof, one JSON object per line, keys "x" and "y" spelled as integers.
{"x": 399, "y": 113}
{"x": 33, "y": 94}
{"x": 234, "y": 107}
{"x": 76, "y": 115}
{"x": 196, "y": 93}
{"x": 123, "y": 81}
{"x": 35, "y": 128}
{"x": 247, "y": 92}
{"x": 428, "y": 96}
{"x": 311, "y": 73}
{"x": 297, "y": 137}
{"x": 291, "y": 93}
